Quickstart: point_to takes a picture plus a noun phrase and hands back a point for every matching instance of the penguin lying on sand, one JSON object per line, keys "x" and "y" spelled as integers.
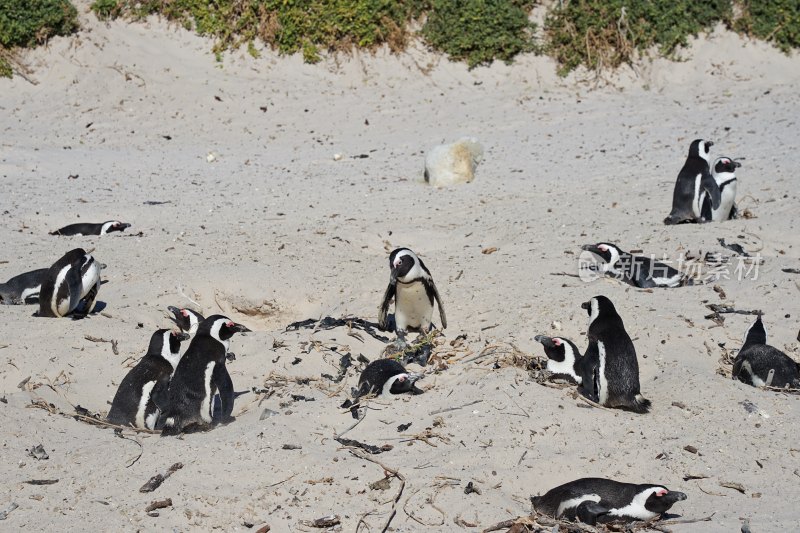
{"x": 188, "y": 321}
{"x": 72, "y": 280}
{"x": 611, "y": 360}
{"x": 383, "y": 377}
{"x": 757, "y": 360}
{"x": 191, "y": 392}
{"x": 638, "y": 271}
{"x": 142, "y": 393}
{"x": 563, "y": 357}
{"x": 413, "y": 289}
{"x": 724, "y": 172}
{"x": 694, "y": 179}
{"x": 593, "y": 500}
{"x": 87, "y": 228}
{"x": 20, "y": 288}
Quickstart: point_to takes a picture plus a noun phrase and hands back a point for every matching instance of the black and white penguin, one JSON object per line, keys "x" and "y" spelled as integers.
{"x": 563, "y": 357}
{"x": 383, "y": 377}
{"x": 20, "y": 288}
{"x": 188, "y": 321}
{"x": 756, "y": 360}
{"x": 611, "y": 360}
{"x": 638, "y": 271}
{"x": 73, "y": 279}
{"x": 191, "y": 392}
{"x": 413, "y": 289}
{"x": 593, "y": 500}
{"x": 724, "y": 172}
{"x": 694, "y": 178}
{"x": 142, "y": 393}
{"x": 88, "y": 228}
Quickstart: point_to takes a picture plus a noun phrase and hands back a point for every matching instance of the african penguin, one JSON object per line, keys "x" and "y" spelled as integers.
{"x": 73, "y": 279}
{"x": 724, "y": 172}
{"x": 694, "y": 178}
{"x": 563, "y": 357}
{"x": 383, "y": 377}
{"x": 638, "y": 271}
{"x": 20, "y": 288}
{"x": 142, "y": 394}
{"x": 413, "y": 289}
{"x": 87, "y": 228}
{"x": 191, "y": 392}
{"x": 593, "y": 500}
{"x": 188, "y": 321}
{"x": 611, "y": 360}
{"x": 757, "y": 360}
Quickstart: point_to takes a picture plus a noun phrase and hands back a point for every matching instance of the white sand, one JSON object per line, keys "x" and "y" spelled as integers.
{"x": 275, "y": 223}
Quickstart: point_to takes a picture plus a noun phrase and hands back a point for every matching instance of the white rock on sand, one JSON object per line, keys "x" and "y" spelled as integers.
{"x": 449, "y": 164}
{"x": 276, "y": 231}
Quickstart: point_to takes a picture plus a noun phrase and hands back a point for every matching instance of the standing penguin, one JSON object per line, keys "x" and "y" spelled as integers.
{"x": 191, "y": 392}
{"x": 724, "y": 172}
{"x": 88, "y": 228}
{"x": 563, "y": 357}
{"x": 142, "y": 394}
{"x": 18, "y": 289}
{"x": 383, "y": 377}
{"x": 413, "y": 289}
{"x": 593, "y": 500}
{"x": 188, "y": 321}
{"x": 611, "y": 359}
{"x": 759, "y": 364}
{"x": 694, "y": 178}
{"x": 638, "y": 271}
{"x": 73, "y": 279}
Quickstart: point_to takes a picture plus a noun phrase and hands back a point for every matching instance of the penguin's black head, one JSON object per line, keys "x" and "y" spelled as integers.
{"x": 553, "y": 347}
{"x": 725, "y": 164}
{"x": 604, "y": 250}
{"x": 401, "y": 261}
{"x": 114, "y": 225}
{"x": 700, "y": 148}
{"x": 175, "y": 339}
{"x": 597, "y": 306}
{"x": 185, "y": 318}
{"x": 221, "y": 327}
{"x": 662, "y": 499}
{"x": 403, "y": 382}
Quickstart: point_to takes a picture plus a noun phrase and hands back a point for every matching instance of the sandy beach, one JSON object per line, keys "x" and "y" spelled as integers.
{"x": 227, "y": 173}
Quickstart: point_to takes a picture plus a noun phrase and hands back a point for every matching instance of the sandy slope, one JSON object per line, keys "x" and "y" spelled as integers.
{"x": 275, "y": 224}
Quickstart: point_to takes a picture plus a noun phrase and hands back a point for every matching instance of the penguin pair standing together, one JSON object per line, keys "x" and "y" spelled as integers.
{"x": 176, "y": 393}
{"x": 71, "y": 281}
{"x": 608, "y": 372}
{"x": 704, "y": 192}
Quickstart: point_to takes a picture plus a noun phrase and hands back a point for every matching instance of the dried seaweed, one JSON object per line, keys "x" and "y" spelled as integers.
{"x": 330, "y": 323}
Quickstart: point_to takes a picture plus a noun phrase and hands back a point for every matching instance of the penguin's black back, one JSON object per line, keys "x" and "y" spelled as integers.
{"x": 80, "y": 228}
{"x": 376, "y": 374}
{"x": 71, "y": 287}
{"x": 759, "y": 359}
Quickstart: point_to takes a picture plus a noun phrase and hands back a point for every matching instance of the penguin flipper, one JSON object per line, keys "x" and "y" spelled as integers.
{"x": 222, "y": 379}
{"x": 430, "y": 287}
{"x": 710, "y": 185}
{"x": 588, "y": 369}
{"x": 588, "y": 511}
{"x": 383, "y": 314}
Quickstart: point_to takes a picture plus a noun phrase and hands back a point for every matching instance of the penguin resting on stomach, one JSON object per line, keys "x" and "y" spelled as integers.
{"x": 759, "y": 364}
{"x": 563, "y": 358}
{"x": 20, "y": 288}
{"x": 593, "y": 500}
{"x": 142, "y": 394}
{"x": 637, "y": 271}
{"x": 87, "y": 228}
{"x": 383, "y": 377}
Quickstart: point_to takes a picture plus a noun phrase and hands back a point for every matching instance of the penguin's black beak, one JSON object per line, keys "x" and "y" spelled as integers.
{"x": 674, "y": 496}
{"x": 181, "y": 335}
{"x": 174, "y": 310}
{"x": 590, "y": 248}
{"x": 239, "y": 328}
{"x": 544, "y": 340}
{"x": 709, "y": 144}
{"x": 101, "y": 265}
{"x": 587, "y": 306}
{"x": 736, "y": 164}
{"x": 123, "y": 226}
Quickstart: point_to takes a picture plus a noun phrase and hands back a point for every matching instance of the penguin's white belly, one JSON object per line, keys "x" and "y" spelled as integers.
{"x": 697, "y": 199}
{"x": 726, "y": 203}
{"x": 602, "y": 388}
{"x": 413, "y": 309}
{"x": 90, "y": 278}
{"x": 140, "y": 421}
{"x": 205, "y": 406}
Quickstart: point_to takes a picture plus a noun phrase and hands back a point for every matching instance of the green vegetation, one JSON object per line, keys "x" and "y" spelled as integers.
{"x": 25, "y": 23}
{"x": 777, "y": 21}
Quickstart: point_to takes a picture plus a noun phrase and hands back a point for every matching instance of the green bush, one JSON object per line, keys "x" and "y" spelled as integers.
{"x": 777, "y": 21}
{"x": 479, "y": 31}
{"x": 31, "y": 22}
{"x": 606, "y": 33}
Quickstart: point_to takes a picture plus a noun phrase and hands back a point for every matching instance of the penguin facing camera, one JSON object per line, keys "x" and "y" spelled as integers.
{"x": 724, "y": 172}
{"x": 383, "y": 377}
{"x": 593, "y": 500}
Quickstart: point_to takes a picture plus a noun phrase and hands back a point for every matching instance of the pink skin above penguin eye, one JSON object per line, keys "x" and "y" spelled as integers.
{"x": 229, "y": 324}
{"x": 185, "y": 313}
{"x": 401, "y": 378}
{"x": 603, "y": 248}
{"x": 661, "y": 493}
{"x": 557, "y": 342}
